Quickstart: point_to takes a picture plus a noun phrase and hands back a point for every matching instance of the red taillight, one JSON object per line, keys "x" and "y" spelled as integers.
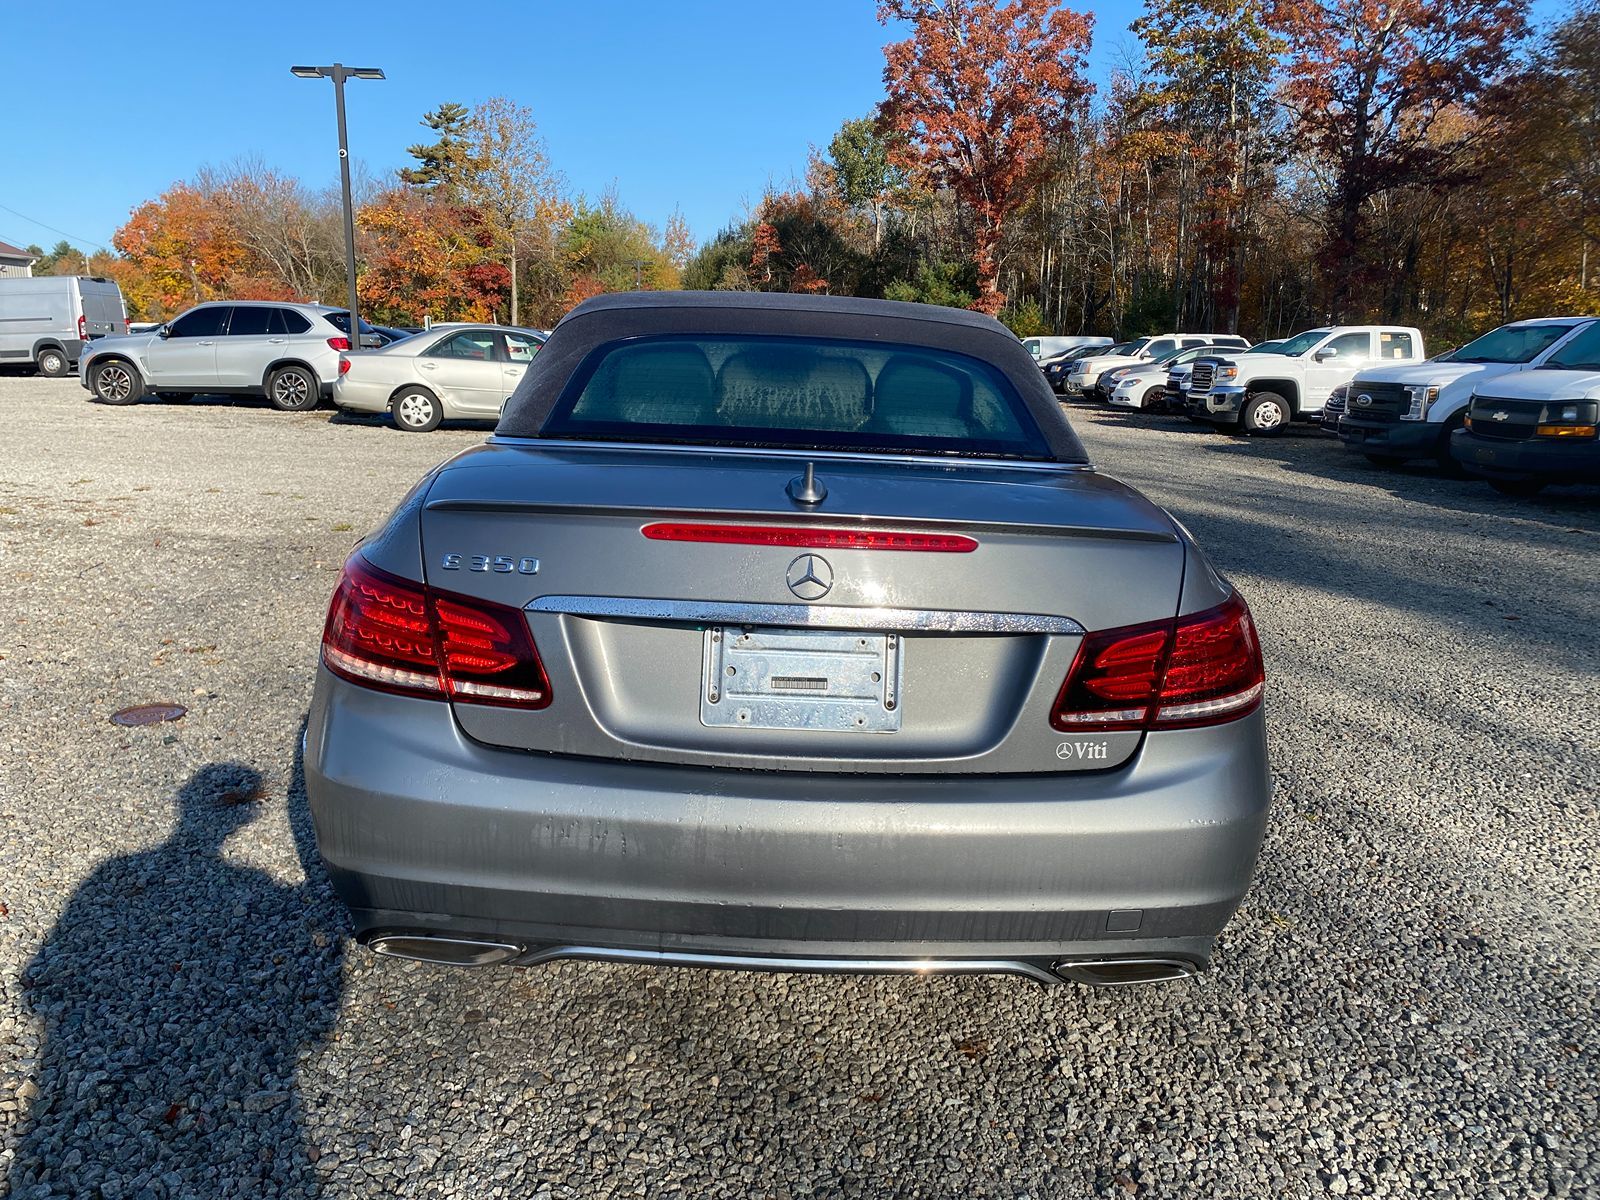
{"x": 344, "y": 365}
{"x": 810, "y": 538}
{"x": 1196, "y": 670}
{"x": 391, "y": 634}
{"x": 340, "y": 343}
{"x": 83, "y": 328}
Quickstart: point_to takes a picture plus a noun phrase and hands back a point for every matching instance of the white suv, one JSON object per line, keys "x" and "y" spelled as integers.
{"x": 1087, "y": 370}
{"x": 288, "y": 353}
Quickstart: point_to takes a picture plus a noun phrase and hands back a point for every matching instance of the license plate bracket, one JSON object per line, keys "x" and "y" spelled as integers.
{"x": 823, "y": 680}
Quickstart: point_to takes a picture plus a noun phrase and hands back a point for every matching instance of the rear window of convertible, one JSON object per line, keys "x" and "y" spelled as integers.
{"x": 795, "y": 393}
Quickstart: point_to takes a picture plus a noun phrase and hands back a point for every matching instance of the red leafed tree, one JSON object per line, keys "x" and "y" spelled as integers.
{"x": 978, "y": 93}
{"x": 765, "y": 245}
{"x": 1369, "y": 80}
{"x": 583, "y": 287}
{"x": 804, "y": 279}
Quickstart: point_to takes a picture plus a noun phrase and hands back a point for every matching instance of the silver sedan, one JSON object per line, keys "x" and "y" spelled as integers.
{"x": 791, "y": 633}
{"x": 448, "y": 372}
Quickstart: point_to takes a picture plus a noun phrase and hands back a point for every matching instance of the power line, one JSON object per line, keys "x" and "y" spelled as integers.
{"x": 70, "y": 237}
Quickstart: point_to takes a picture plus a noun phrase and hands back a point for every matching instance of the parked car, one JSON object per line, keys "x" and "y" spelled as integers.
{"x": 1526, "y": 429}
{"x": 1058, "y": 368}
{"x": 1045, "y": 348}
{"x": 1086, "y": 371}
{"x": 450, "y": 372}
{"x": 1406, "y": 412}
{"x": 47, "y": 320}
{"x": 1262, "y": 393}
{"x": 1176, "y": 393}
{"x": 1333, "y": 409}
{"x": 787, "y": 632}
{"x": 1145, "y": 386}
{"x": 371, "y": 336}
{"x": 288, "y": 353}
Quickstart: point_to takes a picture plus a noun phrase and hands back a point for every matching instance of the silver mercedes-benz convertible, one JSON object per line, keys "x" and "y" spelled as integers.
{"x": 787, "y": 633}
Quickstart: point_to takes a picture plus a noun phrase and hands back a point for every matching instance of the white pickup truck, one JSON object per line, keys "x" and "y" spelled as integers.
{"x": 1088, "y": 368}
{"x": 1397, "y": 413}
{"x": 1261, "y": 393}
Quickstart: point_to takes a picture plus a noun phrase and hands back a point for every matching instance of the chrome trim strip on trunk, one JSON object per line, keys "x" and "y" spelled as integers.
{"x": 1038, "y": 972}
{"x": 803, "y": 616}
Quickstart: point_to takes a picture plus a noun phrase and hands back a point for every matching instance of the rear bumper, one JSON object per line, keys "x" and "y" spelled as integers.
{"x": 358, "y": 396}
{"x": 426, "y": 831}
{"x": 1402, "y": 439}
{"x": 1568, "y": 462}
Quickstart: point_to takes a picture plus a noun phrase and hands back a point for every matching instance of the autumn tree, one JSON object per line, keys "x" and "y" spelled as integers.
{"x": 1549, "y": 116}
{"x": 427, "y": 258}
{"x": 292, "y": 237}
{"x": 1370, "y": 80}
{"x": 1206, "y": 106}
{"x": 608, "y": 245}
{"x": 677, "y": 241}
{"x": 183, "y": 245}
{"x": 978, "y": 92}
{"x": 510, "y": 181}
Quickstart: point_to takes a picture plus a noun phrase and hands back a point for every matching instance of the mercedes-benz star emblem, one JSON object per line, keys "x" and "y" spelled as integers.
{"x": 810, "y": 577}
{"x": 1363, "y": 400}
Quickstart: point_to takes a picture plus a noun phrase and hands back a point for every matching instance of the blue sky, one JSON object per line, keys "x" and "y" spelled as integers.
{"x": 682, "y": 102}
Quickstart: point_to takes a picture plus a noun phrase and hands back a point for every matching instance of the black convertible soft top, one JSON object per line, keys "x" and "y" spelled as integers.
{"x": 611, "y": 318}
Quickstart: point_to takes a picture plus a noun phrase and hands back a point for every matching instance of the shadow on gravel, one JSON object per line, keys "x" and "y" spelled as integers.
{"x": 1302, "y": 449}
{"x": 386, "y": 423}
{"x": 177, "y": 992}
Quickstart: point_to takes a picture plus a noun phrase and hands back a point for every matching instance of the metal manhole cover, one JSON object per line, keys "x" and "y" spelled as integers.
{"x": 147, "y": 714}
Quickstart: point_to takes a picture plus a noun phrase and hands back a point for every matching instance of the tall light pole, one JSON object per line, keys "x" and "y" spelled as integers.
{"x": 338, "y": 72}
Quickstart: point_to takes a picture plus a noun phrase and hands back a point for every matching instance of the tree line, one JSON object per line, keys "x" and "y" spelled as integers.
{"x": 1256, "y": 166}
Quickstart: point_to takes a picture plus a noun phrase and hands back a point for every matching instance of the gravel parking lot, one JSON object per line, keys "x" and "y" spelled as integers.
{"x": 1406, "y": 1004}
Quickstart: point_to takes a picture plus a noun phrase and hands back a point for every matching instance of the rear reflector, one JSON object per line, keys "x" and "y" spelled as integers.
{"x": 810, "y": 538}
{"x": 394, "y": 635}
{"x": 1196, "y": 670}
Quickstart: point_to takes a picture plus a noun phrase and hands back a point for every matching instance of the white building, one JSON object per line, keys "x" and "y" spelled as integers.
{"x": 15, "y": 263}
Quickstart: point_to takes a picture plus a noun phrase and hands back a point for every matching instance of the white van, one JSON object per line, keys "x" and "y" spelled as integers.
{"x": 47, "y": 320}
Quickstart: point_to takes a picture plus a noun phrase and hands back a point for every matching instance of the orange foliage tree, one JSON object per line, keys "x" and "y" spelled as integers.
{"x": 1370, "y": 81}
{"x": 182, "y": 247}
{"x": 977, "y": 94}
{"x": 428, "y": 257}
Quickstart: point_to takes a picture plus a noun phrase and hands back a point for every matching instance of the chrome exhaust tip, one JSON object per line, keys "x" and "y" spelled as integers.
{"x": 449, "y": 951}
{"x": 1121, "y": 972}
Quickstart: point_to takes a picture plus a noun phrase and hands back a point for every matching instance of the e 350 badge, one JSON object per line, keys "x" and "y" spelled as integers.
{"x": 505, "y": 564}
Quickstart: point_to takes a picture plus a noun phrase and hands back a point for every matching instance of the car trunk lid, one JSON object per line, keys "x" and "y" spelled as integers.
{"x": 818, "y": 657}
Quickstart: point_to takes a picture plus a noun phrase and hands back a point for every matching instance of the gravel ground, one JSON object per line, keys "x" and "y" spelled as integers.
{"x": 1404, "y": 1006}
